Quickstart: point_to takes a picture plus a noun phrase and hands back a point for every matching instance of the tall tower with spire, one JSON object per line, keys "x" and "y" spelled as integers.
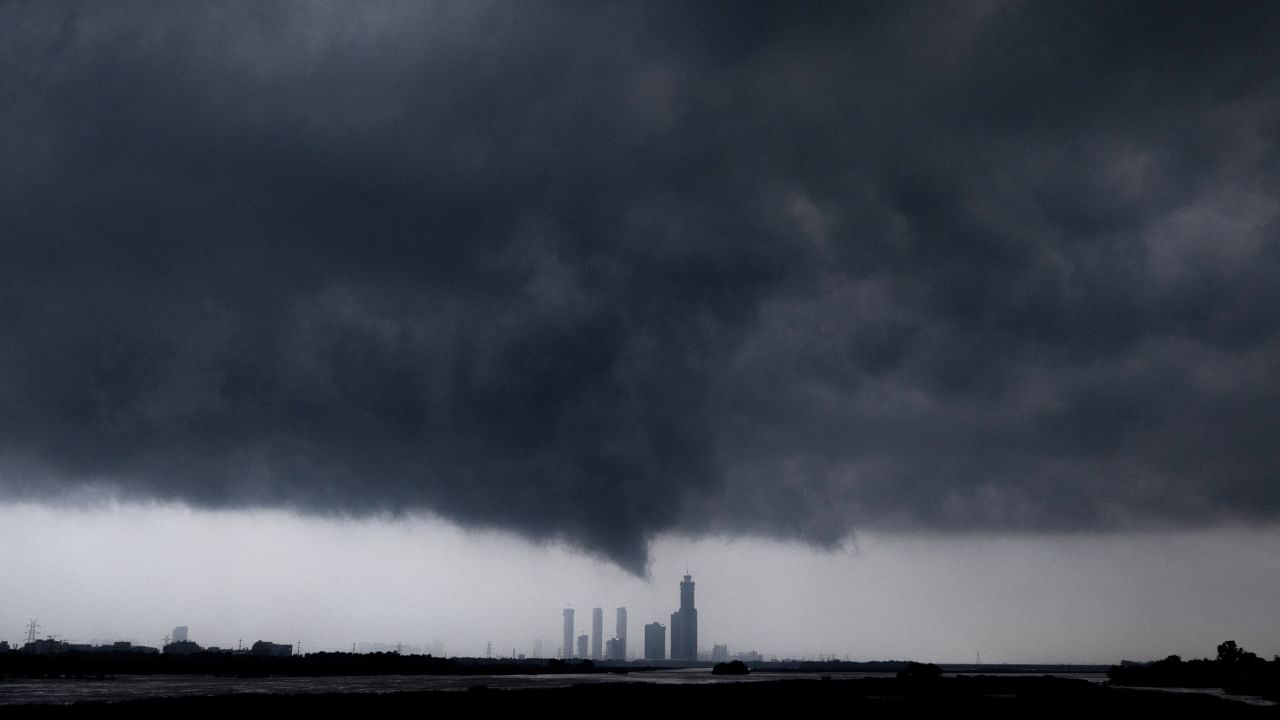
{"x": 684, "y": 624}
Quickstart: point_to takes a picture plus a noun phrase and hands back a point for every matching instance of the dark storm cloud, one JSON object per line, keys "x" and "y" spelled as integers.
{"x": 595, "y": 272}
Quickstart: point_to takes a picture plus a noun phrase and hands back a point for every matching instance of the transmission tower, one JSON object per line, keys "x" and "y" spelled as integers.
{"x": 32, "y": 630}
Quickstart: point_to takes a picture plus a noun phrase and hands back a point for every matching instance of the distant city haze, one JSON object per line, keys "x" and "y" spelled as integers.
{"x": 274, "y": 576}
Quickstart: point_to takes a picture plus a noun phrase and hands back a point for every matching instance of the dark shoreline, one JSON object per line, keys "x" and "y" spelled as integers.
{"x": 88, "y": 665}
{"x": 966, "y": 696}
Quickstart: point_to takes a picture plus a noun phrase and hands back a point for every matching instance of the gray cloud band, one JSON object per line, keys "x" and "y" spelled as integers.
{"x": 598, "y": 273}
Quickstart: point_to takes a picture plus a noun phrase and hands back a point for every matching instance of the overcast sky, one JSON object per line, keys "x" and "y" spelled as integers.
{"x": 931, "y": 300}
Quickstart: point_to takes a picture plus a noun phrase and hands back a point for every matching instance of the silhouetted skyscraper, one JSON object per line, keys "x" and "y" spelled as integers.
{"x": 180, "y": 634}
{"x": 566, "y": 650}
{"x": 582, "y": 646}
{"x": 655, "y": 642}
{"x": 684, "y": 625}
{"x": 597, "y": 633}
{"x": 620, "y": 633}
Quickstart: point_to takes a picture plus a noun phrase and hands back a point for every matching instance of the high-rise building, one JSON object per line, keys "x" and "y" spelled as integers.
{"x": 180, "y": 634}
{"x": 597, "y": 633}
{"x": 582, "y": 646}
{"x": 566, "y": 650}
{"x": 720, "y": 653}
{"x": 537, "y": 648}
{"x": 684, "y": 625}
{"x": 620, "y": 634}
{"x": 655, "y": 641}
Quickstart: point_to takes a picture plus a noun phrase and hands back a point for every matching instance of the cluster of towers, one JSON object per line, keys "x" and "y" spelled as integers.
{"x": 684, "y": 633}
{"x": 614, "y": 649}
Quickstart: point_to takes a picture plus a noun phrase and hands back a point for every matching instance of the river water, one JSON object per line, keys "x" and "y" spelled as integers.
{"x": 131, "y": 687}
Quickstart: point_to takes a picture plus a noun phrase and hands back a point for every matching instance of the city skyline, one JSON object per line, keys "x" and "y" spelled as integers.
{"x": 684, "y": 641}
{"x": 870, "y": 610}
{"x": 684, "y": 644}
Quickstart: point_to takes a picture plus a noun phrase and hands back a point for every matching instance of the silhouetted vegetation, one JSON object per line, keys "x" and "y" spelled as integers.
{"x": 74, "y": 664}
{"x": 733, "y": 667}
{"x": 920, "y": 672}
{"x": 1234, "y": 670}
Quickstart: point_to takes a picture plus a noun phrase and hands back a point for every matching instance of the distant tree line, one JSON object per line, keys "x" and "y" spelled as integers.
{"x": 1235, "y": 670}
{"x": 81, "y": 664}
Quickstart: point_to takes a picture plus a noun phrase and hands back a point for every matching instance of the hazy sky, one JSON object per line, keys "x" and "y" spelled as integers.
{"x": 954, "y": 325}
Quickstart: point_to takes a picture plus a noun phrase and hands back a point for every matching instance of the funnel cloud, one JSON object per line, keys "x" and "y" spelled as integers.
{"x": 592, "y": 273}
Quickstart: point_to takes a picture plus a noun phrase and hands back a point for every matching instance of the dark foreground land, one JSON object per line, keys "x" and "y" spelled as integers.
{"x": 950, "y": 697}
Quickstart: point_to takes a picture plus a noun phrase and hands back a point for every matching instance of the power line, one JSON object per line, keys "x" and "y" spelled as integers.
{"x": 32, "y": 628}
